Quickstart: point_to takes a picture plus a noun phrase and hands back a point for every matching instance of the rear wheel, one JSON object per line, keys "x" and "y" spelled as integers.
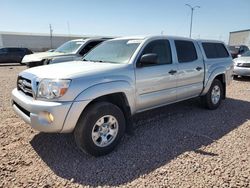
{"x": 100, "y": 128}
{"x": 212, "y": 99}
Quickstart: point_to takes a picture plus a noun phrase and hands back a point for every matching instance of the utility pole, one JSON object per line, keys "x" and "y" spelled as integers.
{"x": 192, "y": 12}
{"x": 51, "y": 31}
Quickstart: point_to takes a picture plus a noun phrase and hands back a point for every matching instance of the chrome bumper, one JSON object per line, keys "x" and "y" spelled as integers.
{"x": 65, "y": 114}
{"x": 241, "y": 71}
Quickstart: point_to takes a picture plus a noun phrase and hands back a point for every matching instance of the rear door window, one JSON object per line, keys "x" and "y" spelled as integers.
{"x": 186, "y": 51}
{"x": 214, "y": 50}
{"x": 15, "y": 50}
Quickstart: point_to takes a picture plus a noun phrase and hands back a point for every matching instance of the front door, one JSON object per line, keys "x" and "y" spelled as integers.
{"x": 156, "y": 83}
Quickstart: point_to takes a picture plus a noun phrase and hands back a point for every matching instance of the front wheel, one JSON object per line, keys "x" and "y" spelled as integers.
{"x": 100, "y": 128}
{"x": 212, "y": 99}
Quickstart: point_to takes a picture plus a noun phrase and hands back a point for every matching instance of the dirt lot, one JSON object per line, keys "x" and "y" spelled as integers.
{"x": 181, "y": 145}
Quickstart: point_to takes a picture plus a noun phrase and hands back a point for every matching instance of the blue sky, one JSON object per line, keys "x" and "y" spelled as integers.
{"x": 214, "y": 20}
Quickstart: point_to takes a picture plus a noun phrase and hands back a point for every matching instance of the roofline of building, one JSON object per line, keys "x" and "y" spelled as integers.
{"x": 46, "y": 34}
{"x": 240, "y": 31}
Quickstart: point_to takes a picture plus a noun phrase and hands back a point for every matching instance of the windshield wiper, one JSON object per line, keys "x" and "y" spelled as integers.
{"x": 98, "y": 61}
{"x": 60, "y": 51}
{"x": 91, "y": 60}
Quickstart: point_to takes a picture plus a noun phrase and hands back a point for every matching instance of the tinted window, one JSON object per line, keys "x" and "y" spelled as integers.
{"x": 186, "y": 51}
{"x": 214, "y": 50}
{"x": 246, "y": 54}
{"x": 246, "y": 48}
{"x": 88, "y": 47}
{"x": 162, "y": 49}
{"x": 3, "y": 50}
{"x": 14, "y": 50}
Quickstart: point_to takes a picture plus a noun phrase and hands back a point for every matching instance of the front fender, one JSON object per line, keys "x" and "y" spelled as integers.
{"x": 107, "y": 88}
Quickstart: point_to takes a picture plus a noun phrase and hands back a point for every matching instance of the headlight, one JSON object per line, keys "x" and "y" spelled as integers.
{"x": 51, "y": 89}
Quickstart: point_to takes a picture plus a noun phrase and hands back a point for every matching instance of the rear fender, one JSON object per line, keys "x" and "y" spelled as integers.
{"x": 212, "y": 76}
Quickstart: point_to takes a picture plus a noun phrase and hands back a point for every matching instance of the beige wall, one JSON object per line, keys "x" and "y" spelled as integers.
{"x": 33, "y": 42}
{"x": 238, "y": 38}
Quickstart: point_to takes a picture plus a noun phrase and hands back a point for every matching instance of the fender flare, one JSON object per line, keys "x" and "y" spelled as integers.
{"x": 212, "y": 76}
{"x": 107, "y": 88}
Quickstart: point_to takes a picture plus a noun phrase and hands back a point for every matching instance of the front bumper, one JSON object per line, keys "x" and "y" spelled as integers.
{"x": 65, "y": 114}
{"x": 241, "y": 71}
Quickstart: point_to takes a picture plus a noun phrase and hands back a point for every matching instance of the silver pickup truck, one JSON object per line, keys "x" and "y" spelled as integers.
{"x": 97, "y": 97}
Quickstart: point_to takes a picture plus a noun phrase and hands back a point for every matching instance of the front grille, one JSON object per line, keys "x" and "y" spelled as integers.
{"x": 24, "y": 85}
{"x": 244, "y": 65}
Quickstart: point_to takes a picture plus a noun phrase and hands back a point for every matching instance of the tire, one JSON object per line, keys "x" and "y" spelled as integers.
{"x": 90, "y": 135}
{"x": 235, "y": 77}
{"x": 208, "y": 101}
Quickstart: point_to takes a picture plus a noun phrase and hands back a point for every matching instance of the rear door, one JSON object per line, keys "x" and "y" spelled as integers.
{"x": 190, "y": 69}
{"x": 156, "y": 84}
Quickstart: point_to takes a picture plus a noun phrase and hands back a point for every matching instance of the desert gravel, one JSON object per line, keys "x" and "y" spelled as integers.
{"x": 181, "y": 145}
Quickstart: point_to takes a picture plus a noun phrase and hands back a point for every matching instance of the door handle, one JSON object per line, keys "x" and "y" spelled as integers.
{"x": 198, "y": 68}
{"x": 172, "y": 72}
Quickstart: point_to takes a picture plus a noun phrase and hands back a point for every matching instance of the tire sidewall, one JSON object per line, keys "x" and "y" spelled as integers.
{"x": 211, "y": 105}
{"x": 83, "y": 131}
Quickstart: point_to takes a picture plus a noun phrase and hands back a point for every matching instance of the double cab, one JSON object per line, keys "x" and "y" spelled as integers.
{"x": 96, "y": 98}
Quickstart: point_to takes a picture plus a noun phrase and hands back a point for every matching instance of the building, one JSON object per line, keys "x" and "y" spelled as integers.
{"x": 35, "y": 41}
{"x": 240, "y": 37}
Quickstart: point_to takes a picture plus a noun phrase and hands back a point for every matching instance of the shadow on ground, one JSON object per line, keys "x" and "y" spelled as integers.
{"x": 243, "y": 79}
{"x": 160, "y": 136}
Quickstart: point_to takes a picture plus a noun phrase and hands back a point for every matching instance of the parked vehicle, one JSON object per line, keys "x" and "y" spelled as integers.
{"x": 13, "y": 55}
{"x": 69, "y": 51}
{"x": 97, "y": 99}
{"x": 242, "y": 65}
{"x": 238, "y": 50}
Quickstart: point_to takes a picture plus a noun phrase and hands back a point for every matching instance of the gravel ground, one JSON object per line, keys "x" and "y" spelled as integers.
{"x": 181, "y": 145}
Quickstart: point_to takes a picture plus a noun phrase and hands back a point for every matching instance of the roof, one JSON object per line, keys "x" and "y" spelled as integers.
{"x": 144, "y": 37}
{"x": 47, "y": 34}
{"x": 246, "y": 30}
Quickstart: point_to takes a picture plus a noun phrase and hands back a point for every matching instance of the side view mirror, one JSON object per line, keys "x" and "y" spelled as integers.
{"x": 148, "y": 59}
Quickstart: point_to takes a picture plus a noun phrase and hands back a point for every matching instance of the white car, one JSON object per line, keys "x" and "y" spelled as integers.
{"x": 242, "y": 65}
{"x": 69, "y": 51}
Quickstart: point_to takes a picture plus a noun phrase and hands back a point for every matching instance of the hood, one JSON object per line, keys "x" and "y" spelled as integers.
{"x": 242, "y": 59}
{"x": 71, "y": 69}
{"x": 40, "y": 56}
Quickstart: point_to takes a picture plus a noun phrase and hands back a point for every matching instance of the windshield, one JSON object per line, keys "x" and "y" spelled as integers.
{"x": 246, "y": 54}
{"x": 114, "y": 51}
{"x": 69, "y": 47}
